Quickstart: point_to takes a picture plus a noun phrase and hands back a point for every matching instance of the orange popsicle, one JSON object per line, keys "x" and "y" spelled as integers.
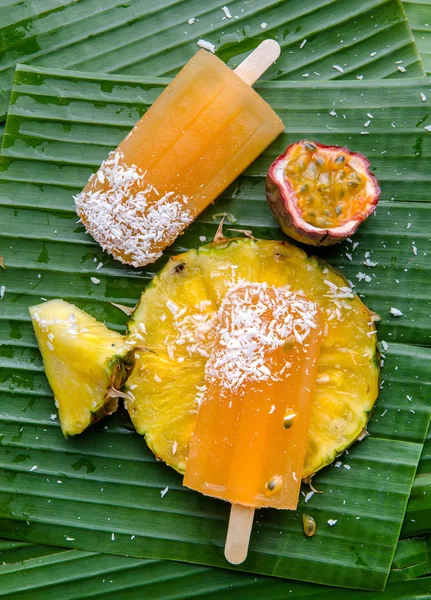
{"x": 200, "y": 134}
{"x": 252, "y": 427}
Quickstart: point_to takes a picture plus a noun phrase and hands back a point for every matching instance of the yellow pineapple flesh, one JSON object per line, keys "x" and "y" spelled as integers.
{"x": 84, "y": 361}
{"x": 173, "y": 320}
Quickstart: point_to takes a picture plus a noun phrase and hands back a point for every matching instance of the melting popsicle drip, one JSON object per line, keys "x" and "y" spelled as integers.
{"x": 252, "y": 428}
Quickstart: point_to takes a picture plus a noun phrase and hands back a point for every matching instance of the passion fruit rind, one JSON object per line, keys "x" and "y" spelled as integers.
{"x": 284, "y": 202}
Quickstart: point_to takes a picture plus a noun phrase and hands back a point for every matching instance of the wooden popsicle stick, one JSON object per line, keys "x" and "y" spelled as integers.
{"x": 238, "y": 533}
{"x": 241, "y": 517}
{"x": 258, "y": 61}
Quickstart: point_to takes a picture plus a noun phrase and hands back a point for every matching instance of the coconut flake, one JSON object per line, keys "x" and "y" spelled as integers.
{"x": 368, "y": 263}
{"x": 2, "y": 291}
{"x": 338, "y": 68}
{"x": 332, "y": 522}
{"x": 206, "y": 45}
{"x": 127, "y": 216}
{"x": 246, "y": 335}
{"x": 95, "y": 280}
{"x": 164, "y": 492}
{"x": 396, "y": 312}
{"x": 226, "y": 11}
{"x": 308, "y": 496}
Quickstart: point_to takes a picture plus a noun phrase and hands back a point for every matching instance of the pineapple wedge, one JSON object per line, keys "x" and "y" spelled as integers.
{"x": 174, "y": 318}
{"x": 84, "y": 361}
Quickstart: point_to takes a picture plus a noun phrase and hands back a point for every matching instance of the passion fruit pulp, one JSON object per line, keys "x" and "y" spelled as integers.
{"x": 320, "y": 194}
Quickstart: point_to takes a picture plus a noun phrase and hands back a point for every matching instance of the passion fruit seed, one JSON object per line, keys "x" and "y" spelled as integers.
{"x": 273, "y": 486}
{"x": 309, "y": 525}
{"x": 308, "y": 169}
{"x": 289, "y": 343}
{"x": 329, "y": 178}
{"x": 289, "y": 418}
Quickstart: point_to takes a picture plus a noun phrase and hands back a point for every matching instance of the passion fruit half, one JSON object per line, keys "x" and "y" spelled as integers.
{"x": 320, "y": 194}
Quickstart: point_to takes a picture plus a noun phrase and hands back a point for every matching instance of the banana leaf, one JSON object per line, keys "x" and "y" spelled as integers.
{"x": 101, "y": 492}
{"x": 412, "y": 559}
{"x": 14, "y": 552}
{"x": 140, "y": 37}
{"x": 418, "y": 13}
{"x": 417, "y": 519}
{"x": 78, "y": 575}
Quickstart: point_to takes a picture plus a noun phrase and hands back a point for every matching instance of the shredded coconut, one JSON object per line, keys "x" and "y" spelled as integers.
{"x": 164, "y": 492}
{"x": 338, "y": 68}
{"x": 226, "y": 11}
{"x": 332, "y": 522}
{"x": 368, "y": 263}
{"x": 127, "y": 216}
{"x": 396, "y": 312}
{"x": 206, "y": 45}
{"x": 308, "y": 496}
{"x": 245, "y": 334}
{"x": 194, "y": 328}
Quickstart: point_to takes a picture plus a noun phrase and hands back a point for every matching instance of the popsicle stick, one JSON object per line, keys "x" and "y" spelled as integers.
{"x": 256, "y": 63}
{"x": 238, "y": 533}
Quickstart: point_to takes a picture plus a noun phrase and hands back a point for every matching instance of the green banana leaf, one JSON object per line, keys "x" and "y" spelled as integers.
{"x": 60, "y": 126}
{"x": 417, "y": 519}
{"x": 78, "y": 575}
{"x": 412, "y": 559}
{"x": 14, "y": 552}
{"x": 419, "y": 16}
{"x": 140, "y": 37}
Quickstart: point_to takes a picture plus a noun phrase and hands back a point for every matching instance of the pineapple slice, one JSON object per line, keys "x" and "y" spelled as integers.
{"x": 174, "y": 318}
{"x": 84, "y": 361}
